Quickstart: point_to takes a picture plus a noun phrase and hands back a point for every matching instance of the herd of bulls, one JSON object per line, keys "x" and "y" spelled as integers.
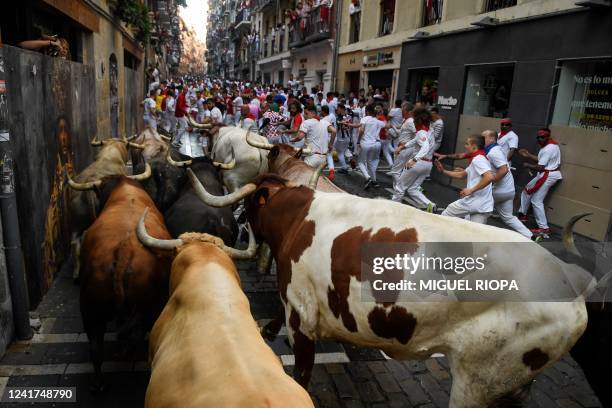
{"x": 156, "y": 255}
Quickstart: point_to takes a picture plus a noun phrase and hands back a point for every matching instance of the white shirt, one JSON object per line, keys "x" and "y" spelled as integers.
{"x": 149, "y": 104}
{"x": 331, "y": 118}
{"x": 424, "y": 139}
{"x": 550, "y": 157}
{"x": 498, "y": 159}
{"x": 317, "y": 136}
{"x": 508, "y": 141}
{"x": 396, "y": 117}
{"x": 170, "y": 104}
{"x": 371, "y": 130}
{"x": 407, "y": 131}
{"x": 215, "y": 115}
{"x": 237, "y": 103}
{"x": 200, "y": 105}
{"x": 332, "y": 105}
{"x": 353, "y": 9}
{"x": 480, "y": 201}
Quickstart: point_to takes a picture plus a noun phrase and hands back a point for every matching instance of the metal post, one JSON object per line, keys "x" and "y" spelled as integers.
{"x": 336, "y": 45}
{"x": 10, "y": 222}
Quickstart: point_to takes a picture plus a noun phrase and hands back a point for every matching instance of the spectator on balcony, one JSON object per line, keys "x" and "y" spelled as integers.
{"x": 324, "y": 13}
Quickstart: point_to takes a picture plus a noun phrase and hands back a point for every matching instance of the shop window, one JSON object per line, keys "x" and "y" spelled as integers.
{"x": 432, "y": 12}
{"x": 584, "y": 95}
{"x": 423, "y": 86}
{"x": 492, "y": 5}
{"x": 487, "y": 90}
{"x": 387, "y": 16}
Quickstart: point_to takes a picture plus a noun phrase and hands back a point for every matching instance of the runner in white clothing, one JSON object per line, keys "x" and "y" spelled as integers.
{"x": 507, "y": 139}
{"x": 331, "y": 119}
{"x": 316, "y": 133}
{"x": 548, "y": 168}
{"x": 477, "y": 198}
{"x": 368, "y": 145}
{"x": 503, "y": 182}
{"x": 417, "y": 168}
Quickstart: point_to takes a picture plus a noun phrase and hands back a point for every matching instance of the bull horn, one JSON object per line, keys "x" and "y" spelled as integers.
{"x": 197, "y": 125}
{"x": 248, "y": 253}
{"x": 95, "y": 141}
{"x": 568, "y": 234}
{"x": 166, "y": 138}
{"x": 148, "y": 241}
{"x": 219, "y": 201}
{"x": 134, "y": 136}
{"x": 82, "y": 186}
{"x": 227, "y": 166}
{"x": 314, "y": 179}
{"x": 258, "y": 144}
{"x": 136, "y": 145}
{"x": 177, "y": 163}
{"x": 305, "y": 151}
{"x": 143, "y": 176}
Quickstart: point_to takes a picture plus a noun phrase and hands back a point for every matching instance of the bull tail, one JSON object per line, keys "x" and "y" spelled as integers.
{"x": 120, "y": 266}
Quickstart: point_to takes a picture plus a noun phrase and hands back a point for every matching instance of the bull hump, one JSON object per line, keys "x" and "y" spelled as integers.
{"x": 346, "y": 263}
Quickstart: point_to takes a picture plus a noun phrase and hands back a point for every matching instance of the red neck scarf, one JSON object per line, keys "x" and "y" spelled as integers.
{"x": 503, "y": 133}
{"x": 551, "y": 141}
{"x": 479, "y": 152}
{"x": 422, "y": 127}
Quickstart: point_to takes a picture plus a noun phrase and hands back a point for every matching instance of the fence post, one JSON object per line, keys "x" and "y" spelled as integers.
{"x": 10, "y": 223}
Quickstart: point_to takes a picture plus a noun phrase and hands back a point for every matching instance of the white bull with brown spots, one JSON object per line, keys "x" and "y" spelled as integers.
{"x": 205, "y": 349}
{"x": 316, "y": 237}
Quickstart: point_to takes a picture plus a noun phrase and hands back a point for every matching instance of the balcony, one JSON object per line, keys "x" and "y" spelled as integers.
{"x": 243, "y": 20}
{"x": 314, "y": 29}
{"x": 492, "y": 5}
{"x": 275, "y": 44}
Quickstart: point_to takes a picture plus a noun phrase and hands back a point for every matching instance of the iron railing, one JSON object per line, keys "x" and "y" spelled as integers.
{"x": 310, "y": 29}
{"x": 492, "y": 5}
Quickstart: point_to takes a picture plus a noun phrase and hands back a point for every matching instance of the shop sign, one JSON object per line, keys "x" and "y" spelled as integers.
{"x": 380, "y": 58}
{"x": 447, "y": 102}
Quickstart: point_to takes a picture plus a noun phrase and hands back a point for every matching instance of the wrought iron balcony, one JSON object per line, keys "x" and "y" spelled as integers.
{"x": 310, "y": 30}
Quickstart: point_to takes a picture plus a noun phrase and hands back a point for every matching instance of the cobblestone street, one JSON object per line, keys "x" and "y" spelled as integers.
{"x": 344, "y": 376}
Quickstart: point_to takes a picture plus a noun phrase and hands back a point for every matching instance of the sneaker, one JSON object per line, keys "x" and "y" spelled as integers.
{"x": 332, "y": 175}
{"x": 537, "y": 238}
{"x": 522, "y": 217}
{"x": 431, "y": 208}
{"x": 544, "y": 232}
{"x": 367, "y": 184}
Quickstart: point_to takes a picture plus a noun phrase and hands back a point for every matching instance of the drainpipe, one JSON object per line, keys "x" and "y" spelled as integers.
{"x": 336, "y": 45}
{"x": 10, "y": 222}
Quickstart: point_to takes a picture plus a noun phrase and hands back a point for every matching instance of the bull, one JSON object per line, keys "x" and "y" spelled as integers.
{"x": 84, "y": 205}
{"x": 229, "y": 142}
{"x": 188, "y": 214}
{"x": 207, "y": 331}
{"x": 285, "y": 161}
{"x": 119, "y": 277}
{"x": 316, "y": 237}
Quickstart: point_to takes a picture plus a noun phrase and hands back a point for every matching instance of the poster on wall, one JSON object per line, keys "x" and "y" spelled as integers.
{"x": 584, "y": 95}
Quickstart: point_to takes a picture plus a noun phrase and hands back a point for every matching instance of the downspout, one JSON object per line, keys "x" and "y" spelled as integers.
{"x": 336, "y": 45}
{"x": 10, "y": 221}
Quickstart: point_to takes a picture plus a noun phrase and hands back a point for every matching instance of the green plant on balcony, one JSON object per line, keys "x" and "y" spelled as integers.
{"x": 134, "y": 14}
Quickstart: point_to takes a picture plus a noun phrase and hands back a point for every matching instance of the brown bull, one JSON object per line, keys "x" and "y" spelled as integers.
{"x": 84, "y": 205}
{"x": 119, "y": 277}
{"x": 205, "y": 348}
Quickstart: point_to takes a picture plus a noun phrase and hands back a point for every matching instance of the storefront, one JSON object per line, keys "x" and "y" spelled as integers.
{"x": 554, "y": 71}
{"x": 381, "y": 69}
{"x": 350, "y": 76}
{"x": 312, "y": 65}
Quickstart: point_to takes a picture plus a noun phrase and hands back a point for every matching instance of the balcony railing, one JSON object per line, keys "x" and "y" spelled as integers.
{"x": 275, "y": 44}
{"x": 492, "y": 5}
{"x": 243, "y": 19}
{"x": 310, "y": 29}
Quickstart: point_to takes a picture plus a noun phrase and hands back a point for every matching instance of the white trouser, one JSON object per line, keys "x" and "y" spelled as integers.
{"x": 400, "y": 162}
{"x": 229, "y": 119}
{"x": 237, "y": 116}
{"x": 278, "y": 139}
{"x": 182, "y": 128}
{"x": 537, "y": 199}
{"x": 387, "y": 151}
{"x": 315, "y": 159}
{"x": 460, "y": 209}
{"x": 340, "y": 146}
{"x": 504, "y": 204}
{"x": 150, "y": 123}
{"x": 368, "y": 160}
{"x": 170, "y": 122}
{"x": 354, "y": 139}
{"x": 409, "y": 182}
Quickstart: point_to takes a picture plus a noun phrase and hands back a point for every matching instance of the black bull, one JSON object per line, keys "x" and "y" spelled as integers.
{"x": 183, "y": 210}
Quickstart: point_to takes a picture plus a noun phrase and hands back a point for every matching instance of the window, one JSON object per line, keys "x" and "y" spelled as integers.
{"x": 487, "y": 90}
{"x": 387, "y": 15}
{"x": 492, "y": 5}
{"x": 355, "y": 21}
{"x": 584, "y": 95}
{"x": 423, "y": 86}
{"x": 432, "y": 12}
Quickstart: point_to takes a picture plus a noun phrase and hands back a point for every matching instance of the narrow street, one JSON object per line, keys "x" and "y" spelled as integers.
{"x": 344, "y": 375}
